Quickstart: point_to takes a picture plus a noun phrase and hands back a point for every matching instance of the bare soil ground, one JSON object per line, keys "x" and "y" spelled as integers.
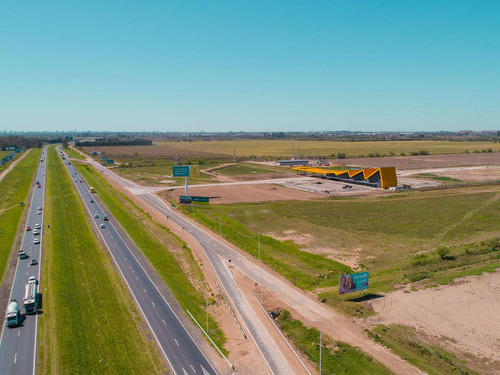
{"x": 461, "y": 317}
{"x": 246, "y": 193}
{"x": 425, "y": 161}
{"x": 490, "y": 174}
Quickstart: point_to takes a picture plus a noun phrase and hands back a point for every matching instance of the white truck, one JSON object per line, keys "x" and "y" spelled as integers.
{"x": 13, "y": 317}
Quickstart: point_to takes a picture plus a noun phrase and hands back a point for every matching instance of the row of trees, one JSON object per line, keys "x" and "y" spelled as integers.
{"x": 114, "y": 142}
{"x": 18, "y": 141}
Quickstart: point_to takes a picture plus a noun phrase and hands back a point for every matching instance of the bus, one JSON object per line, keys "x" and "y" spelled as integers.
{"x": 30, "y": 298}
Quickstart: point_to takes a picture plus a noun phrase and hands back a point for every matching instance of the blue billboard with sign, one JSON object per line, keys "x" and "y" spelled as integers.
{"x": 353, "y": 282}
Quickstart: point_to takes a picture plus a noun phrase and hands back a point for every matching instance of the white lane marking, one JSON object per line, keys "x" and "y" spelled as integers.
{"x": 205, "y": 372}
{"x": 164, "y": 322}
{"x": 130, "y": 267}
{"x": 193, "y": 369}
{"x": 137, "y": 278}
{"x": 153, "y": 304}
{"x": 15, "y": 358}
{"x": 18, "y": 333}
{"x": 144, "y": 290}
{"x": 185, "y": 373}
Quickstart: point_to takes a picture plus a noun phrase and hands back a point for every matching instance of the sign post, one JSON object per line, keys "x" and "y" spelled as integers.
{"x": 181, "y": 171}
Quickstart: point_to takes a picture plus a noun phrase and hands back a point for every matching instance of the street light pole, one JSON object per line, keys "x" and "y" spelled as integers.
{"x": 320, "y": 341}
{"x": 260, "y": 261}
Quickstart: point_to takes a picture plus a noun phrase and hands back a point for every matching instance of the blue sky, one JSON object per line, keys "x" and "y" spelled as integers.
{"x": 250, "y": 65}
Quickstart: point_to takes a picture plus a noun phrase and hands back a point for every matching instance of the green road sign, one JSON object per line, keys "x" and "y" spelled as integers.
{"x": 180, "y": 171}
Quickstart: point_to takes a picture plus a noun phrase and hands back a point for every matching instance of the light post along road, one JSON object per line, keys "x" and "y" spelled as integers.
{"x": 181, "y": 351}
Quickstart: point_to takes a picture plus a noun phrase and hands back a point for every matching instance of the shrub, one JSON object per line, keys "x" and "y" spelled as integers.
{"x": 443, "y": 252}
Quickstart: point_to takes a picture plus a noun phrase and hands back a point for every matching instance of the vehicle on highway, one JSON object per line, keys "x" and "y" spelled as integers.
{"x": 28, "y": 229}
{"x": 105, "y": 218}
{"x": 30, "y": 297}
{"x": 33, "y": 279}
{"x": 40, "y": 208}
{"x": 91, "y": 189}
{"x": 33, "y": 262}
{"x": 36, "y": 241}
{"x": 36, "y": 232}
{"x": 22, "y": 254}
{"x": 102, "y": 226}
{"x": 39, "y": 212}
{"x": 91, "y": 201}
{"x": 37, "y": 226}
{"x": 96, "y": 216}
{"x": 13, "y": 316}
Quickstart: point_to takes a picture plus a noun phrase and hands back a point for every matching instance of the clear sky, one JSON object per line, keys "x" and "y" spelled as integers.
{"x": 250, "y": 65}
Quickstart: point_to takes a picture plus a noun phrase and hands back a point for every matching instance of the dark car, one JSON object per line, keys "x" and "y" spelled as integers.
{"x": 33, "y": 262}
{"x": 105, "y": 218}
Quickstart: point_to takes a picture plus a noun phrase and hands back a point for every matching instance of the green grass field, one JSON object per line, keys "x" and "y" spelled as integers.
{"x": 306, "y": 270}
{"x": 277, "y": 148}
{"x": 431, "y": 359}
{"x": 14, "y": 189}
{"x": 246, "y": 168}
{"x": 383, "y": 235}
{"x": 89, "y": 323}
{"x": 336, "y": 357}
{"x": 162, "y": 248}
{"x": 73, "y": 154}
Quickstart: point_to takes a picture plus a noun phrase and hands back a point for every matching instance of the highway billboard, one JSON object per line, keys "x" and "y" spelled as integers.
{"x": 353, "y": 282}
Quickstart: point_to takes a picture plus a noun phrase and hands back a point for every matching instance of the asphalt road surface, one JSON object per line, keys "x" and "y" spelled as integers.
{"x": 18, "y": 344}
{"x": 214, "y": 249}
{"x": 182, "y": 353}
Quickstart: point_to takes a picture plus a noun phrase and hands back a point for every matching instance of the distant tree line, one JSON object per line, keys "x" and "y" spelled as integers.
{"x": 18, "y": 141}
{"x": 108, "y": 141}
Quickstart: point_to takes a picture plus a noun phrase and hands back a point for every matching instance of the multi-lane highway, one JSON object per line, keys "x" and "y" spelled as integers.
{"x": 18, "y": 344}
{"x": 181, "y": 350}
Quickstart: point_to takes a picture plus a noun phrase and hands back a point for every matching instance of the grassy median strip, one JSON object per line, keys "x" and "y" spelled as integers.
{"x": 336, "y": 357}
{"x": 431, "y": 359}
{"x": 14, "y": 189}
{"x": 163, "y": 249}
{"x": 89, "y": 324}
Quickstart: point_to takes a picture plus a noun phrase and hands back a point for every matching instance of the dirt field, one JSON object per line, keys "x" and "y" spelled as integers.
{"x": 425, "y": 161}
{"x": 246, "y": 193}
{"x": 490, "y": 174}
{"x": 461, "y": 317}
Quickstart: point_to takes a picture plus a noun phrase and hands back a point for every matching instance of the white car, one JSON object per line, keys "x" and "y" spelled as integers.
{"x": 33, "y": 278}
{"x": 36, "y": 231}
{"x": 37, "y": 226}
{"x": 36, "y": 241}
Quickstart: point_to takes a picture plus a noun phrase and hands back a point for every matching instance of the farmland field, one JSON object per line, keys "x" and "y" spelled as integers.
{"x": 89, "y": 323}
{"x": 277, "y": 148}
